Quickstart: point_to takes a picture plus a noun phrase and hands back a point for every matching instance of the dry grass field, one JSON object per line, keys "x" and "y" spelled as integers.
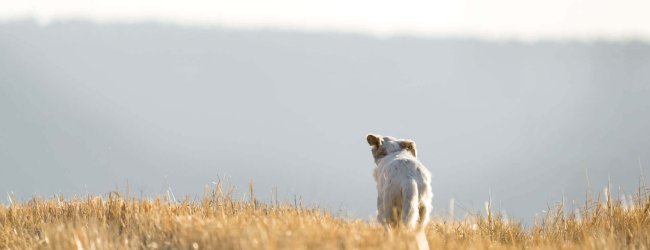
{"x": 220, "y": 221}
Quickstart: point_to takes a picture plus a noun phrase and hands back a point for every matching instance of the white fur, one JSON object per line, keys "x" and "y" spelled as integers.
{"x": 403, "y": 183}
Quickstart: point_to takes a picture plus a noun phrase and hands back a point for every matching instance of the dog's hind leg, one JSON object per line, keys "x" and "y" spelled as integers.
{"x": 388, "y": 211}
{"x": 381, "y": 217}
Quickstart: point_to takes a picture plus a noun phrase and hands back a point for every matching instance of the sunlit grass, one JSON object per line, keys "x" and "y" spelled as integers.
{"x": 221, "y": 221}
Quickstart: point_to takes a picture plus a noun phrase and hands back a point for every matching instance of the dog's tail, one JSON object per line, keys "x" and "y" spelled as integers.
{"x": 421, "y": 240}
{"x": 410, "y": 204}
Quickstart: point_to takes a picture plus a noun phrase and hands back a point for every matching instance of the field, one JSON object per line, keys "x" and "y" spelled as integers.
{"x": 221, "y": 221}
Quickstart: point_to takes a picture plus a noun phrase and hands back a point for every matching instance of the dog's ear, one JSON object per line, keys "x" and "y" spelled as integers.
{"x": 374, "y": 140}
{"x": 409, "y": 145}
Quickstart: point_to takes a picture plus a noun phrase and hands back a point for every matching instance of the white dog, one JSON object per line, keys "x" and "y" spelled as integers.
{"x": 403, "y": 183}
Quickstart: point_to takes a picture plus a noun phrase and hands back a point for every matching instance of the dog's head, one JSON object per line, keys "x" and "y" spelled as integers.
{"x": 385, "y": 145}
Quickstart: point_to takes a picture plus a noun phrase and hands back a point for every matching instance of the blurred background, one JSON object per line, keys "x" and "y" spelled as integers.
{"x": 523, "y": 103}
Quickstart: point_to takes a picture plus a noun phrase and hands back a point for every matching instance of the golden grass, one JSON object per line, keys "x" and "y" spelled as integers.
{"x": 219, "y": 221}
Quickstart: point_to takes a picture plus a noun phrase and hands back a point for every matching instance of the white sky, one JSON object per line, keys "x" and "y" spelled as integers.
{"x": 518, "y": 19}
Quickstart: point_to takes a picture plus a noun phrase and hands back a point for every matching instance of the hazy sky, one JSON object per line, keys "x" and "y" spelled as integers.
{"x": 518, "y": 19}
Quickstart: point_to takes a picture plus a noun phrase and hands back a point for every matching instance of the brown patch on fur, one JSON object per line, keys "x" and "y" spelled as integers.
{"x": 409, "y": 145}
{"x": 378, "y": 152}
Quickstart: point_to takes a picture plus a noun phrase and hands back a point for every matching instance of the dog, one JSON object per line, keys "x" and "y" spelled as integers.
{"x": 403, "y": 183}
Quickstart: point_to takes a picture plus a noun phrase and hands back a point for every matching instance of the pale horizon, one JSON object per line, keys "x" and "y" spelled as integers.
{"x": 496, "y": 20}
